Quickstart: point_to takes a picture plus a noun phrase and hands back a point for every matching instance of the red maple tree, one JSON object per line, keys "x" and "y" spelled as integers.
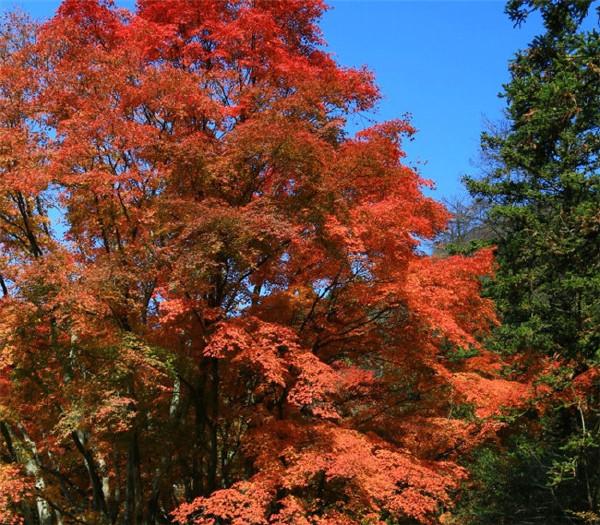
{"x": 215, "y": 309}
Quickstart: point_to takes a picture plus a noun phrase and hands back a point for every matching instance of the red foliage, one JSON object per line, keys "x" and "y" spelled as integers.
{"x": 14, "y": 488}
{"x": 237, "y": 326}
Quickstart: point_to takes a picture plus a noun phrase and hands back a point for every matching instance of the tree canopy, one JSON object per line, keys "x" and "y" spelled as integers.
{"x": 214, "y": 305}
{"x": 542, "y": 192}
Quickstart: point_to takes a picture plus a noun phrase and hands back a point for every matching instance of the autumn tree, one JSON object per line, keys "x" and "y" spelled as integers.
{"x": 215, "y": 309}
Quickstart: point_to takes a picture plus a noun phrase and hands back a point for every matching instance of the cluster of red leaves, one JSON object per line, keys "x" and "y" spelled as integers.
{"x": 234, "y": 323}
{"x": 14, "y": 488}
{"x": 371, "y": 479}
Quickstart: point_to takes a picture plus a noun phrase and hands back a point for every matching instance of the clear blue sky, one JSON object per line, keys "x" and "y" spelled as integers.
{"x": 442, "y": 61}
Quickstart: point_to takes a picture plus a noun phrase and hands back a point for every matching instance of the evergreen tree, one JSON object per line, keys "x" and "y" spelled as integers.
{"x": 544, "y": 190}
{"x": 543, "y": 193}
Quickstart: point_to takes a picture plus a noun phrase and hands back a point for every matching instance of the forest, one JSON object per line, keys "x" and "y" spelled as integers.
{"x": 217, "y": 305}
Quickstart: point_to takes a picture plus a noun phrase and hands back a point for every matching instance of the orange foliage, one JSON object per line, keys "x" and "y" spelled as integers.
{"x": 14, "y": 488}
{"x": 233, "y": 322}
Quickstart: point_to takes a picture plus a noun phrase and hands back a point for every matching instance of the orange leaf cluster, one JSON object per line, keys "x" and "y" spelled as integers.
{"x": 214, "y": 307}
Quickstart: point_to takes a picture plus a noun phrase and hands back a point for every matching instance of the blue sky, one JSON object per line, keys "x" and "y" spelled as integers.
{"x": 444, "y": 62}
{"x": 441, "y": 61}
